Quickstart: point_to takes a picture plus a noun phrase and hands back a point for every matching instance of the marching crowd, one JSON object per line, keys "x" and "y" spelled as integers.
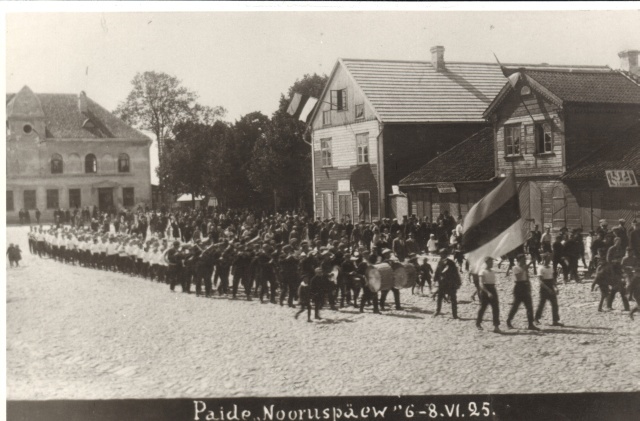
{"x": 292, "y": 258}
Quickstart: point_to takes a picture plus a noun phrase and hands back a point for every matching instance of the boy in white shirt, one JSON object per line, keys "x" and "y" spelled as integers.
{"x": 548, "y": 291}
{"x": 488, "y": 296}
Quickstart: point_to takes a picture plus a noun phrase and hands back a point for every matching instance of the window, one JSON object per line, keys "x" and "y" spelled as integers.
{"x": 90, "y": 164}
{"x": 29, "y": 199}
{"x": 326, "y": 118}
{"x": 9, "y": 201}
{"x": 362, "y": 148}
{"x": 325, "y": 147}
{"x": 339, "y": 100}
{"x": 344, "y": 206}
{"x": 52, "y": 199}
{"x": 123, "y": 163}
{"x": 544, "y": 143}
{"x": 74, "y": 198}
{"x": 127, "y": 196}
{"x": 512, "y": 140}
{"x": 359, "y": 111}
{"x": 56, "y": 164}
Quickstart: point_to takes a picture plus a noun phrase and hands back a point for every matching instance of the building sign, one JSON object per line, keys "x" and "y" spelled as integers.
{"x": 446, "y": 188}
{"x": 621, "y": 178}
{"x": 395, "y": 189}
{"x": 344, "y": 185}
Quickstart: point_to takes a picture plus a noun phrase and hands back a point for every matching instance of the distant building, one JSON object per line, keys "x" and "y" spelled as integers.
{"x": 572, "y": 136}
{"x": 379, "y": 120}
{"x": 65, "y": 151}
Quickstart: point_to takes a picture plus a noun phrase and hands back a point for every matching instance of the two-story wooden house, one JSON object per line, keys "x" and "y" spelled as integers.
{"x": 379, "y": 120}
{"x": 571, "y": 136}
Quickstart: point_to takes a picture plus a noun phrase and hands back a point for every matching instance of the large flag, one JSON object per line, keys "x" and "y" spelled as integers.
{"x": 301, "y": 106}
{"x": 493, "y": 226}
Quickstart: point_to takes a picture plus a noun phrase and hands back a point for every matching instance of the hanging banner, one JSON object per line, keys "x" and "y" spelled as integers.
{"x": 621, "y": 178}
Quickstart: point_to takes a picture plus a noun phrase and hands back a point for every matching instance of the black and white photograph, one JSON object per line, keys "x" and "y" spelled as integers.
{"x": 261, "y": 212}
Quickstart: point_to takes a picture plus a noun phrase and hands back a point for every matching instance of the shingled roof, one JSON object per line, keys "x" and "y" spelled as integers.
{"x": 416, "y": 92}
{"x": 621, "y": 153}
{"x": 469, "y": 160}
{"x": 64, "y": 120}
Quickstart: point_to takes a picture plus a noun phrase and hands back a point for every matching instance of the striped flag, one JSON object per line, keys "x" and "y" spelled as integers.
{"x": 493, "y": 226}
{"x": 301, "y": 106}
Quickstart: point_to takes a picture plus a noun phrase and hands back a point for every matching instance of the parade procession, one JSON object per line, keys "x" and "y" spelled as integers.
{"x": 273, "y": 204}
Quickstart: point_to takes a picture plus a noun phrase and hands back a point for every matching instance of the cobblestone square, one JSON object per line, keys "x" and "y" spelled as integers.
{"x": 78, "y": 333}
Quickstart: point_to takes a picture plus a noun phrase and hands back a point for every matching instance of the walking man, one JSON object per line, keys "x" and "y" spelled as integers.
{"x": 488, "y": 296}
{"x": 521, "y": 292}
{"x": 548, "y": 292}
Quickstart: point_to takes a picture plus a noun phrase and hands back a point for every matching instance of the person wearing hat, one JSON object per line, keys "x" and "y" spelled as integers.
{"x": 448, "y": 279}
{"x": 548, "y": 291}
{"x": 330, "y": 284}
{"x": 521, "y": 292}
{"x": 386, "y": 258}
{"x": 352, "y": 280}
{"x": 615, "y": 254}
{"x": 240, "y": 267}
{"x": 172, "y": 256}
{"x": 621, "y": 232}
{"x": 399, "y": 246}
{"x": 289, "y": 268}
{"x": 558, "y": 248}
{"x": 488, "y": 295}
{"x": 367, "y": 259}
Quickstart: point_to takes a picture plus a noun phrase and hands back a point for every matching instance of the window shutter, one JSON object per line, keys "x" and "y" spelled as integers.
{"x": 334, "y": 99}
{"x": 344, "y": 99}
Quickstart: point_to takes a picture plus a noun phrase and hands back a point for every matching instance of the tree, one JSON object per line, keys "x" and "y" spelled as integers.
{"x": 158, "y": 102}
{"x": 281, "y": 164}
{"x": 186, "y": 167}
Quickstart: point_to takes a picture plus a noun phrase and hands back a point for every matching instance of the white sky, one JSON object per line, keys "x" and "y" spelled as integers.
{"x": 245, "y": 60}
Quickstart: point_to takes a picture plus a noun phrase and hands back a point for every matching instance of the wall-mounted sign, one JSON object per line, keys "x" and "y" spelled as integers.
{"x": 446, "y": 188}
{"x": 344, "y": 185}
{"x": 621, "y": 178}
{"x": 395, "y": 189}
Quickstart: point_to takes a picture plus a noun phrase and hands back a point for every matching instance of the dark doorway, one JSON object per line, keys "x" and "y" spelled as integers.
{"x": 105, "y": 199}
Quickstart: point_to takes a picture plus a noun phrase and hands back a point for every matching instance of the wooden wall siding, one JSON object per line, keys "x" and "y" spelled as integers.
{"x": 529, "y": 163}
{"x": 343, "y": 142}
{"x": 427, "y": 202}
{"x": 342, "y": 80}
{"x": 362, "y": 178}
{"x": 407, "y": 147}
{"x": 589, "y": 128}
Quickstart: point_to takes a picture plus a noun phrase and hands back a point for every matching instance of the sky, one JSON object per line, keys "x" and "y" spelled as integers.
{"x": 245, "y": 60}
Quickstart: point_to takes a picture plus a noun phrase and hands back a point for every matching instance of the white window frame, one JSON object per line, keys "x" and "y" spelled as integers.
{"x": 359, "y": 107}
{"x": 326, "y": 153}
{"x": 339, "y": 99}
{"x": 326, "y": 118}
{"x": 359, "y": 147}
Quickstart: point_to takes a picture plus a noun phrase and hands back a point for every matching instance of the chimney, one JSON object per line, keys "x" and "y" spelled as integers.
{"x": 629, "y": 61}
{"x": 82, "y": 102}
{"x": 437, "y": 57}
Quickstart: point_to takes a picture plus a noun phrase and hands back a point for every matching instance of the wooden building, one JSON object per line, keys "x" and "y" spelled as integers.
{"x": 571, "y": 136}
{"x": 65, "y": 151}
{"x": 379, "y": 120}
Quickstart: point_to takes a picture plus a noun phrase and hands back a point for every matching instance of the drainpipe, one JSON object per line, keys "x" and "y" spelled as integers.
{"x": 313, "y": 169}
{"x": 381, "y": 191}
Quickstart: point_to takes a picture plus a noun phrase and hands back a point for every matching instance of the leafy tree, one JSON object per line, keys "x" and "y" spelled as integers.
{"x": 158, "y": 102}
{"x": 281, "y": 164}
{"x": 186, "y": 167}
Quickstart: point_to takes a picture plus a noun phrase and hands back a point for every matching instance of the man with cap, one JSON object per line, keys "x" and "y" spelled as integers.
{"x": 330, "y": 284}
{"x": 386, "y": 258}
{"x": 448, "y": 279}
{"x": 488, "y": 295}
{"x": 175, "y": 263}
{"x": 521, "y": 292}
{"x": 548, "y": 291}
{"x": 621, "y": 232}
{"x": 367, "y": 293}
{"x": 288, "y": 267}
{"x": 399, "y": 246}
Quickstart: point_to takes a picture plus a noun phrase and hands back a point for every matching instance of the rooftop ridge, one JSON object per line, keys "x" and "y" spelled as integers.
{"x": 586, "y": 66}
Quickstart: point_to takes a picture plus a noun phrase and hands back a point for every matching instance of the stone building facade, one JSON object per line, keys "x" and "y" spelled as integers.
{"x": 65, "y": 151}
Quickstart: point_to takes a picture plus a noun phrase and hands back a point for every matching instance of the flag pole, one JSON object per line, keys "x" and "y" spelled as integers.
{"x": 513, "y": 85}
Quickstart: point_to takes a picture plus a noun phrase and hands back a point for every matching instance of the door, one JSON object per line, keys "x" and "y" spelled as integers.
{"x": 105, "y": 199}
{"x": 327, "y": 205}
{"x": 559, "y": 208}
{"x": 345, "y": 206}
{"x": 364, "y": 206}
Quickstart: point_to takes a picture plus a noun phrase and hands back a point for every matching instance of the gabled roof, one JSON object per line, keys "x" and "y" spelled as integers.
{"x": 578, "y": 86}
{"x": 469, "y": 160}
{"x": 620, "y": 153}
{"x": 63, "y": 119}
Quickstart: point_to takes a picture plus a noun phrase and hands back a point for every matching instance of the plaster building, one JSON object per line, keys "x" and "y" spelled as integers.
{"x": 571, "y": 136}
{"x": 65, "y": 151}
